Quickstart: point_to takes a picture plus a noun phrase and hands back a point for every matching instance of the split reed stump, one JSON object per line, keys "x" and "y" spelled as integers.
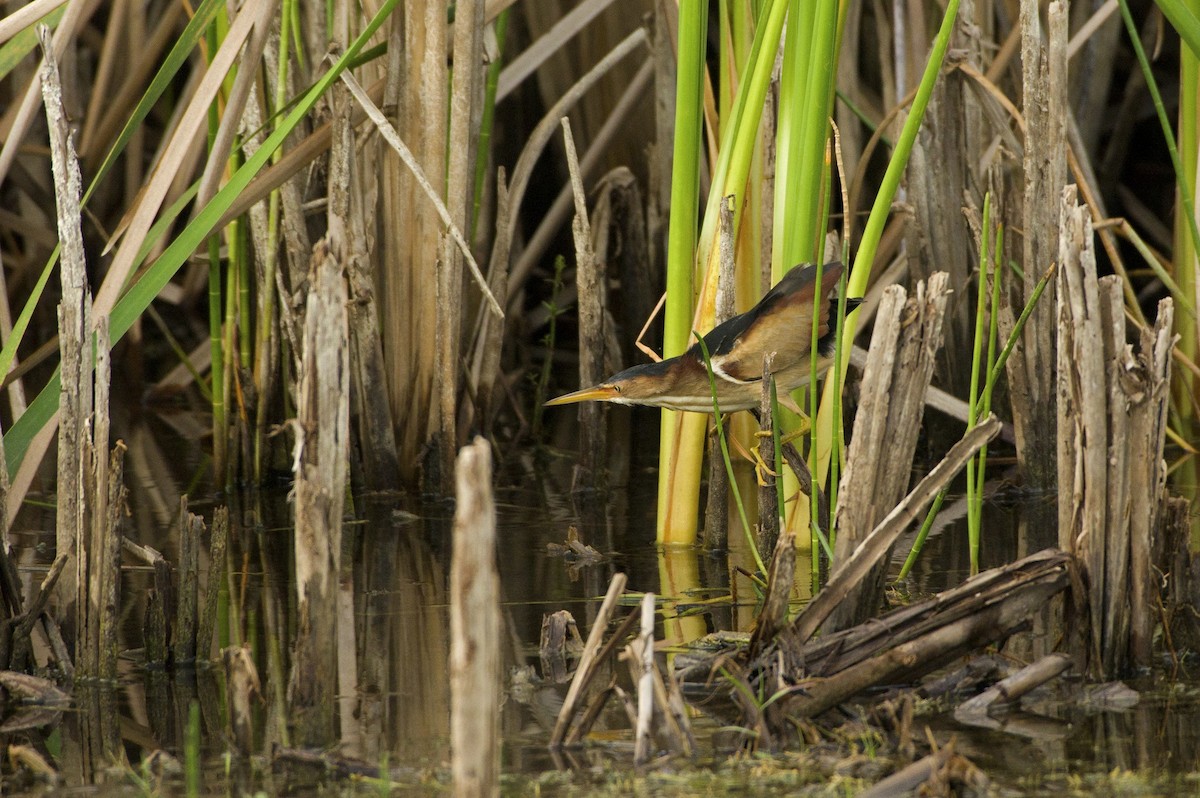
{"x": 904, "y": 347}
{"x": 322, "y": 451}
{"x": 1031, "y": 365}
{"x": 1112, "y": 414}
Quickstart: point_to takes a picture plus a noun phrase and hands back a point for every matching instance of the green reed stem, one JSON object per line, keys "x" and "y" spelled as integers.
{"x": 981, "y": 309}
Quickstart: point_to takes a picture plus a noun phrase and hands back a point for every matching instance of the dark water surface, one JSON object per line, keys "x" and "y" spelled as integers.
{"x": 395, "y": 598}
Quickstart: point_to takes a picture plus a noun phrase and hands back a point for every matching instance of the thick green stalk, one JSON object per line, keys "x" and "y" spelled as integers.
{"x": 683, "y": 438}
{"x": 676, "y": 522}
{"x": 805, "y": 93}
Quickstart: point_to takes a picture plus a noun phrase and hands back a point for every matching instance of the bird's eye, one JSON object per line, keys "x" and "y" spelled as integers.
{"x": 617, "y": 388}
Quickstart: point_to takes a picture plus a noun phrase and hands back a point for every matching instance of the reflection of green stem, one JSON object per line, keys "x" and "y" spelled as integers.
{"x": 191, "y": 752}
{"x": 993, "y": 377}
{"x": 733, "y": 486}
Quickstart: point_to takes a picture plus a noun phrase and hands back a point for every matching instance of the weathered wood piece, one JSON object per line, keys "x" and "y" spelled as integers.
{"x": 599, "y": 697}
{"x": 322, "y": 431}
{"x": 466, "y": 113}
{"x": 944, "y": 173}
{"x": 489, "y": 340}
{"x": 1181, "y": 627}
{"x": 642, "y": 664}
{"x": 560, "y": 641}
{"x": 589, "y": 279}
{"x": 74, "y": 322}
{"x": 909, "y": 778}
{"x": 1112, "y": 405}
{"x": 376, "y": 434}
{"x": 156, "y": 625}
{"x": 23, "y": 624}
{"x": 107, "y": 559}
{"x": 716, "y": 511}
{"x": 850, "y": 572}
{"x": 97, "y": 566}
{"x": 1146, "y": 381}
{"x": 1010, "y": 689}
{"x": 207, "y": 623}
{"x": 411, "y": 240}
{"x": 191, "y": 529}
{"x": 585, "y": 670}
{"x": 773, "y": 616}
{"x": 1082, "y": 407}
{"x": 241, "y": 676}
{"x": 768, "y": 492}
{"x": 658, "y": 716}
{"x": 475, "y": 629}
{"x": 903, "y": 352}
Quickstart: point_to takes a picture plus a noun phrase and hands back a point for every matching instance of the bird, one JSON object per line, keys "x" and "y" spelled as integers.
{"x": 781, "y": 323}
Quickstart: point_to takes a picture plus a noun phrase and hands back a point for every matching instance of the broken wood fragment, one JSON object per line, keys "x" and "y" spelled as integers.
{"x": 1012, "y": 688}
{"x": 587, "y": 663}
{"x": 851, "y": 571}
{"x": 475, "y": 628}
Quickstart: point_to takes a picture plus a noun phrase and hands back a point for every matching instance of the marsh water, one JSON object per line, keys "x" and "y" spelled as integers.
{"x": 134, "y": 737}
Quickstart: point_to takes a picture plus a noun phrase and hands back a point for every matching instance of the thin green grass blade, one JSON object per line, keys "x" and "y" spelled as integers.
{"x": 989, "y": 386}
{"x": 981, "y": 307}
{"x": 1183, "y": 179}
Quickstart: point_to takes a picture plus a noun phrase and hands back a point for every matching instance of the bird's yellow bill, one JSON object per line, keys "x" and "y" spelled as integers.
{"x": 598, "y": 394}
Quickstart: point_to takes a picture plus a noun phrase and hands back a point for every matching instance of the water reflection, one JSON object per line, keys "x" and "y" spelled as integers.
{"x": 393, "y": 702}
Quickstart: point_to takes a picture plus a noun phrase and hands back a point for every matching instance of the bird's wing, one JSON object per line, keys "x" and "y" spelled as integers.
{"x": 781, "y": 323}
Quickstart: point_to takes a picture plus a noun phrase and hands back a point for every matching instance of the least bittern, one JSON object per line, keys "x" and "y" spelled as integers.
{"x": 781, "y": 323}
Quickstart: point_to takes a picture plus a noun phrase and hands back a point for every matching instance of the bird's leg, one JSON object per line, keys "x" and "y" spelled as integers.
{"x": 800, "y": 468}
{"x": 785, "y": 399}
{"x": 761, "y": 469}
{"x": 785, "y": 438}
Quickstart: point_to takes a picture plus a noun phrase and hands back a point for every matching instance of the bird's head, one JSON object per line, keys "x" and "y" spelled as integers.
{"x": 645, "y": 384}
